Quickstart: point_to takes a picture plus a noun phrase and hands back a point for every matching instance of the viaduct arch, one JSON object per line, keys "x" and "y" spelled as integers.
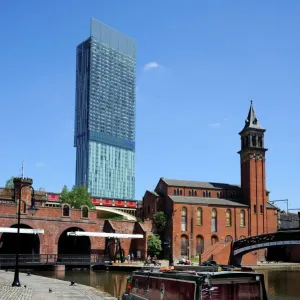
{"x": 73, "y": 244}
{"x": 29, "y": 243}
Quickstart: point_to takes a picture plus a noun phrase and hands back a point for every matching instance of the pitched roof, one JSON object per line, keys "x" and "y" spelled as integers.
{"x": 200, "y": 184}
{"x": 270, "y": 205}
{"x": 205, "y": 201}
{"x": 152, "y": 192}
{"x": 252, "y": 122}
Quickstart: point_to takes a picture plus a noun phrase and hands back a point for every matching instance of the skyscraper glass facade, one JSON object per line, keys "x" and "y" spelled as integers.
{"x": 105, "y": 113}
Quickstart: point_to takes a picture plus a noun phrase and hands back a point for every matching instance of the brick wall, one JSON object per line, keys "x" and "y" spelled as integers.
{"x": 235, "y": 230}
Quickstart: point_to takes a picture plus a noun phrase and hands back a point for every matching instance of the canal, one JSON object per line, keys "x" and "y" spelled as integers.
{"x": 280, "y": 284}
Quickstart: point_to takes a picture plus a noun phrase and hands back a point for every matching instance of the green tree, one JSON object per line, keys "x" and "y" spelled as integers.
{"x": 160, "y": 220}
{"x": 9, "y": 183}
{"x": 154, "y": 245}
{"x": 77, "y": 197}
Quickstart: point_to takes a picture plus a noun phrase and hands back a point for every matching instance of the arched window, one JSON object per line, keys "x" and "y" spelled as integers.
{"x": 218, "y": 194}
{"x": 228, "y": 217}
{"x": 190, "y": 193}
{"x": 184, "y": 219}
{"x": 260, "y": 141}
{"x": 214, "y": 220}
{"x": 214, "y": 239}
{"x": 84, "y": 212}
{"x": 199, "y": 216}
{"x": 209, "y": 194}
{"x": 199, "y": 244}
{"x": 228, "y": 239}
{"x": 242, "y": 218}
{"x": 180, "y": 192}
{"x": 204, "y": 194}
{"x": 261, "y": 209}
{"x": 184, "y": 245}
{"x": 195, "y": 193}
{"x": 66, "y": 210}
{"x": 254, "y": 141}
{"x": 175, "y": 192}
{"x": 242, "y": 237}
{"x": 254, "y": 208}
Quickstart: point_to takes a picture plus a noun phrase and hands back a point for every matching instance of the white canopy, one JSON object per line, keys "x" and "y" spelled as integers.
{"x": 22, "y": 230}
{"x": 105, "y": 234}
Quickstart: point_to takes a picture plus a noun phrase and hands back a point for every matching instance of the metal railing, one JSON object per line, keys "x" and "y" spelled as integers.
{"x": 52, "y": 259}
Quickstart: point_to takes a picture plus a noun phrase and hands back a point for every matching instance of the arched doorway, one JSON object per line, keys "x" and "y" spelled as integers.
{"x": 184, "y": 245}
{"x": 199, "y": 244}
{"x": 74, "y": 244}
{"x": 214, "y": 239}
{"x": 228, "y": 239}
{"x": 29, "y": 243}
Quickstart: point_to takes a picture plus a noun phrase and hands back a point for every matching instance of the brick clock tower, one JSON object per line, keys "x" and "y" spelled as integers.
{"x": 253, "y": 173}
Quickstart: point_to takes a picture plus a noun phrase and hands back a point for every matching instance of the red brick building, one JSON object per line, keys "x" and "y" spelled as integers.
{"x": 204, "y": 217}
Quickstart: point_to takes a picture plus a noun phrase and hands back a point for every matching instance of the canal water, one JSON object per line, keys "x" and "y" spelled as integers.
{"x": 280, "y": 284}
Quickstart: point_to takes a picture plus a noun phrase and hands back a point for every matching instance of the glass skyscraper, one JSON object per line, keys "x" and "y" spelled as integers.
{"x": 105, "y": 113}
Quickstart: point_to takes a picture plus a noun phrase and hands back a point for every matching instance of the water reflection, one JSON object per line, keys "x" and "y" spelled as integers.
{"x": 280, "y": 284}
{"x": 110, "y": 282}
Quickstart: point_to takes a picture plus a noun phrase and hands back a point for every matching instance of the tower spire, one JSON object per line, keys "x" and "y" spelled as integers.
{"x": 252, "y": 122}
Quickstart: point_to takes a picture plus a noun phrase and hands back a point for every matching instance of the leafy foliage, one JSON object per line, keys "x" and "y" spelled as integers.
{"x": 9, "y": 183}
{"x": 154, "y": 245}
{"x": 160, "y": 220}
{"x": 117, "y": 218}
{"x": 77, "y": 197}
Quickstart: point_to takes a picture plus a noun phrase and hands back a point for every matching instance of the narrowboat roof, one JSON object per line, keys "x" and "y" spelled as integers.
{"x": 158, "y": 273}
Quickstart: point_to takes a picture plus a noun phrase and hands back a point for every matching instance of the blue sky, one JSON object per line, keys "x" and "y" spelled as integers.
{"x": 208, "y": 59}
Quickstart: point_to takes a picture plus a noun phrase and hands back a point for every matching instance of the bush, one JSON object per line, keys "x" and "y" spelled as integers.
{"x": 154, "y": 245}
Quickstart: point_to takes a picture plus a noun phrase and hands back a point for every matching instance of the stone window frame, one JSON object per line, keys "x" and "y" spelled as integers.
{"x": 214, "y": 220}
{"x": 199, "y": 216}
{"x": 228, "y": 216}
{"x": 184, "y": 218}
{"x": 62, "y": 210}
{"x": 242, "y": 218}
{"x": 193, "y": 193}
{"x": 177, "y": 192}
{"x": 81, "y": 213}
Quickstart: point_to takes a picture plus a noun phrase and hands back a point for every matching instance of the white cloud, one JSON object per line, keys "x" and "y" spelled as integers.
{"x": 214, "y": 125}
{"x": 151, "y": 65}
{"x": 39, "y": 164}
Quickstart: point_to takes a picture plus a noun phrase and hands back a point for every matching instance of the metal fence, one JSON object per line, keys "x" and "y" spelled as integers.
{"x": 52, "y": 259}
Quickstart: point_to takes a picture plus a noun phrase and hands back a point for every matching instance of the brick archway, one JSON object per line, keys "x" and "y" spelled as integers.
{"x": 73, "y": 244}
{"x": 29, "y": 243}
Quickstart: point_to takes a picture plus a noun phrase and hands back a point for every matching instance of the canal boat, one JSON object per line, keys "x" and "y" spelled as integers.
{"x": 194, "y": 285}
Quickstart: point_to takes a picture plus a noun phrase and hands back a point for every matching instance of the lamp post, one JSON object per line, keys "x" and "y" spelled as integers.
{"x": 32, "y": 209}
